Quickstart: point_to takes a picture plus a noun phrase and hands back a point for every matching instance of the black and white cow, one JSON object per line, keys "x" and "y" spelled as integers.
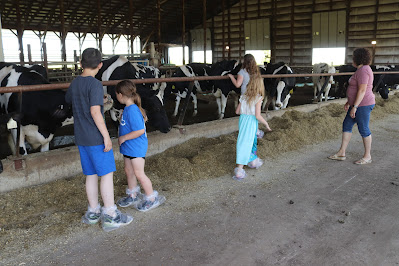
{"x": 342, "y": 81}
{"x": 41, "y": 112}
{"x": 119, "y": 68}
{"x": 382, "y": 83}
{"x": 223, "y": 88}
{"x": 31, "y": 68}
{"x": 318, "y": 81}
{"x": 277, "y": 90}
{"x": 181, "y": 88}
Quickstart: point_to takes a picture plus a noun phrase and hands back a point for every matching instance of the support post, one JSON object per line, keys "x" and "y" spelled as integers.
{"x": 204, "y": 26}
{"x": 131, "y": 24}
{"x": 29, "y": 55}
{"x": 183, "y": 31}
{"x": 159, "y": 25}
{"x": 183, "y": 111}
{"x": 45, "y": 63}
{"x": 20, "y": 33}
{"x": 223, "y": 27}
{"x": 1, "y": 48}
{"x": 63, "y": 32}
{"x": 228, "y": 30}
{"x": 99, "y": 22}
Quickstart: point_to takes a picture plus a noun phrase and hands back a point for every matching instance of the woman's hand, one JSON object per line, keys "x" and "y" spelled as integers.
{"x": 346, "y": 106}
{"x": 352, "y": 113}
{"x": 121, "y": 140}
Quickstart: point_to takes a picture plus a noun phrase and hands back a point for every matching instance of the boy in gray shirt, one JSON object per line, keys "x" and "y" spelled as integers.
{"x": 95, "y": 147}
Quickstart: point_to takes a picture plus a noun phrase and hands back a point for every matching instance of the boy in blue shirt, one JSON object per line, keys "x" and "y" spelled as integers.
{"x": 95, "y": 147}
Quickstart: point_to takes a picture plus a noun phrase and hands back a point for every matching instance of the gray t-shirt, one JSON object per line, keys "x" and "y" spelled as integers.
{"x": 83, "y": 93}
{"x": 245, "y": 74}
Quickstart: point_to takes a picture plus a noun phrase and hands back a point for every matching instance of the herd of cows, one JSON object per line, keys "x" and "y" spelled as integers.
{"x": 42, "y": 112}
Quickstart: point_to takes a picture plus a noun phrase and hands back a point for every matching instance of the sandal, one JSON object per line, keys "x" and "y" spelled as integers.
{"x": 363, "y": 161}
{"x": 337, "y": 157}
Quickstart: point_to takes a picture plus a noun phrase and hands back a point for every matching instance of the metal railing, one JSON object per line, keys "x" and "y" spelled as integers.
{"x": 26, "y": 88}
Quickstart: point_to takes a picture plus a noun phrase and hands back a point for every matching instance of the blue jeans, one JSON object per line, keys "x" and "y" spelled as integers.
{"x": 362, "y": 119}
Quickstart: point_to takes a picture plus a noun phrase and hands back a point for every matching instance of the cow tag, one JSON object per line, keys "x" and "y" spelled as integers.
{"x": 291, "y": 91}
{"x": 173, "y": 87}
{"x": 12, "y": 124}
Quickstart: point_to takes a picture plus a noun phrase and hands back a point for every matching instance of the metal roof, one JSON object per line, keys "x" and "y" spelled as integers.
{"x": 108, "y": 16}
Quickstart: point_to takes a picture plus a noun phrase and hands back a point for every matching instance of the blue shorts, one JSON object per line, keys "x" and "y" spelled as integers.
{"x": 362, "y": 119}
{"x": 95, "y": 161}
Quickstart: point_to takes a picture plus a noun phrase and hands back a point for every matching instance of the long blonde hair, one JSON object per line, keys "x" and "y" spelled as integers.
{"x": 128, "y": 89}
{"x": 255, "y": 87}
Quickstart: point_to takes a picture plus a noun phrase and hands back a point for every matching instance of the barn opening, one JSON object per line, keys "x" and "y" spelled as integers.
{"x": 332, "y": 56}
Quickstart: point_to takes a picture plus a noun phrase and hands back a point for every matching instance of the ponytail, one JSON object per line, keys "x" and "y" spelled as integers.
{"x": 128, "y": 89}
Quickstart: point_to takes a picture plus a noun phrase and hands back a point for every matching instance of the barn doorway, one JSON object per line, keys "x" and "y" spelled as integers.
{"x": 176, "y": 55}
{"x": 261, "y": 56}
{"x": 331, "y": 56}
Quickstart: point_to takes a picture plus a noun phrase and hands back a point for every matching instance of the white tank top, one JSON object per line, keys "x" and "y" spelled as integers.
{"x": 248, "y": 109}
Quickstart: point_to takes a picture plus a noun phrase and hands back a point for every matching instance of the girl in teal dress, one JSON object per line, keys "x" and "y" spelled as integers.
{"x": 249, "y": 110}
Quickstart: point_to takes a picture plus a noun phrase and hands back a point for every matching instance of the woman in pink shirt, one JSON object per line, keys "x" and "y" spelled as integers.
{"x": 360, "y": 102}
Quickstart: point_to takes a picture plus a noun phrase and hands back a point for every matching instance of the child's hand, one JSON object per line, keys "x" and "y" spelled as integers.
{"x": 121, "y": 140}
{"x": 107, "y": 144}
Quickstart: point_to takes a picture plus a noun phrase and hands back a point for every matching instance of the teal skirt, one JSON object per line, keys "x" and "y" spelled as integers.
{"x": 247, "y": 141}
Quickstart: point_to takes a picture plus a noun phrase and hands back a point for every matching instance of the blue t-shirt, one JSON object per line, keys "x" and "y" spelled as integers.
{"x": 132, "y": 120}
{"x": 245, "y": 82}
{"x": 83, "y": 93}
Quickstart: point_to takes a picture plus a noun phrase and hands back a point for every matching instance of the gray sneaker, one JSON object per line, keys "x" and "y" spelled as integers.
{"x": 91, "y": 217}
{"x": 110, "y": 223}
{"x": 146, "y": 204}
{"x": 129, "y": 200}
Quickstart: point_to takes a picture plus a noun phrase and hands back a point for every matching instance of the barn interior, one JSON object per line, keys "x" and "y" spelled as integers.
{"x": 298, "y": 210}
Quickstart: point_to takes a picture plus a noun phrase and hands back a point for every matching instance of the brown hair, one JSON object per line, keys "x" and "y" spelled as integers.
{"x": 128, "y": 89}
{"x": 361, "y": 56}
{"x": 250, "y": 65}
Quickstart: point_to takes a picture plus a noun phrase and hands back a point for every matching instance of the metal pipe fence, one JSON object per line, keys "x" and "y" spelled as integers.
{"x": 25, "y": 88}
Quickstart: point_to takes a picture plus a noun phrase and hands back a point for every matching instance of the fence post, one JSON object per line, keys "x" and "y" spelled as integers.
{"x": 184, "y": 109}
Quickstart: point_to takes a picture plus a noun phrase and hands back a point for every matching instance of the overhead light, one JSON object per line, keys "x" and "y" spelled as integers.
{"x": 227, "y": 47}
{"x": 373, "y": 42}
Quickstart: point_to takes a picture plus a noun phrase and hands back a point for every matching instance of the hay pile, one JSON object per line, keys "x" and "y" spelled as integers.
{"x": 32, "y": 215}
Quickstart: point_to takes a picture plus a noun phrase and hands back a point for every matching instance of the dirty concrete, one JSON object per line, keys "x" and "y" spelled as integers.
{"x": 297, "y": 209}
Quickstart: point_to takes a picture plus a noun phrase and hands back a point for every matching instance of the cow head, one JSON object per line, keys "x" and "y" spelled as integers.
{"x": 156, "y": 113}
{"x": 384, "y": 91}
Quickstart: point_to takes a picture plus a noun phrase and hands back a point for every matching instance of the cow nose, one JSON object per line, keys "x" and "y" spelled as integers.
{"x": 278, "y": 104}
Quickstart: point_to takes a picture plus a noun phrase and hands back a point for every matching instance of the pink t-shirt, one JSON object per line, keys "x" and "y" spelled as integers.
{"x": 363, "y": 75}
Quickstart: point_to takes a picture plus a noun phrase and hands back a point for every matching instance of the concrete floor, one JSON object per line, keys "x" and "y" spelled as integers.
{"x": 299, "y": 209}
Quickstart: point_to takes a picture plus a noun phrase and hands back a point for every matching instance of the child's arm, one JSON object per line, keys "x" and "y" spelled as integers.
{"x": 131, "y": 135}
{"x": 258, "y": 115}
{"x": 237, "y": 83}
{"x": 238, "y": 110}
{"x": 98, "y": 118}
